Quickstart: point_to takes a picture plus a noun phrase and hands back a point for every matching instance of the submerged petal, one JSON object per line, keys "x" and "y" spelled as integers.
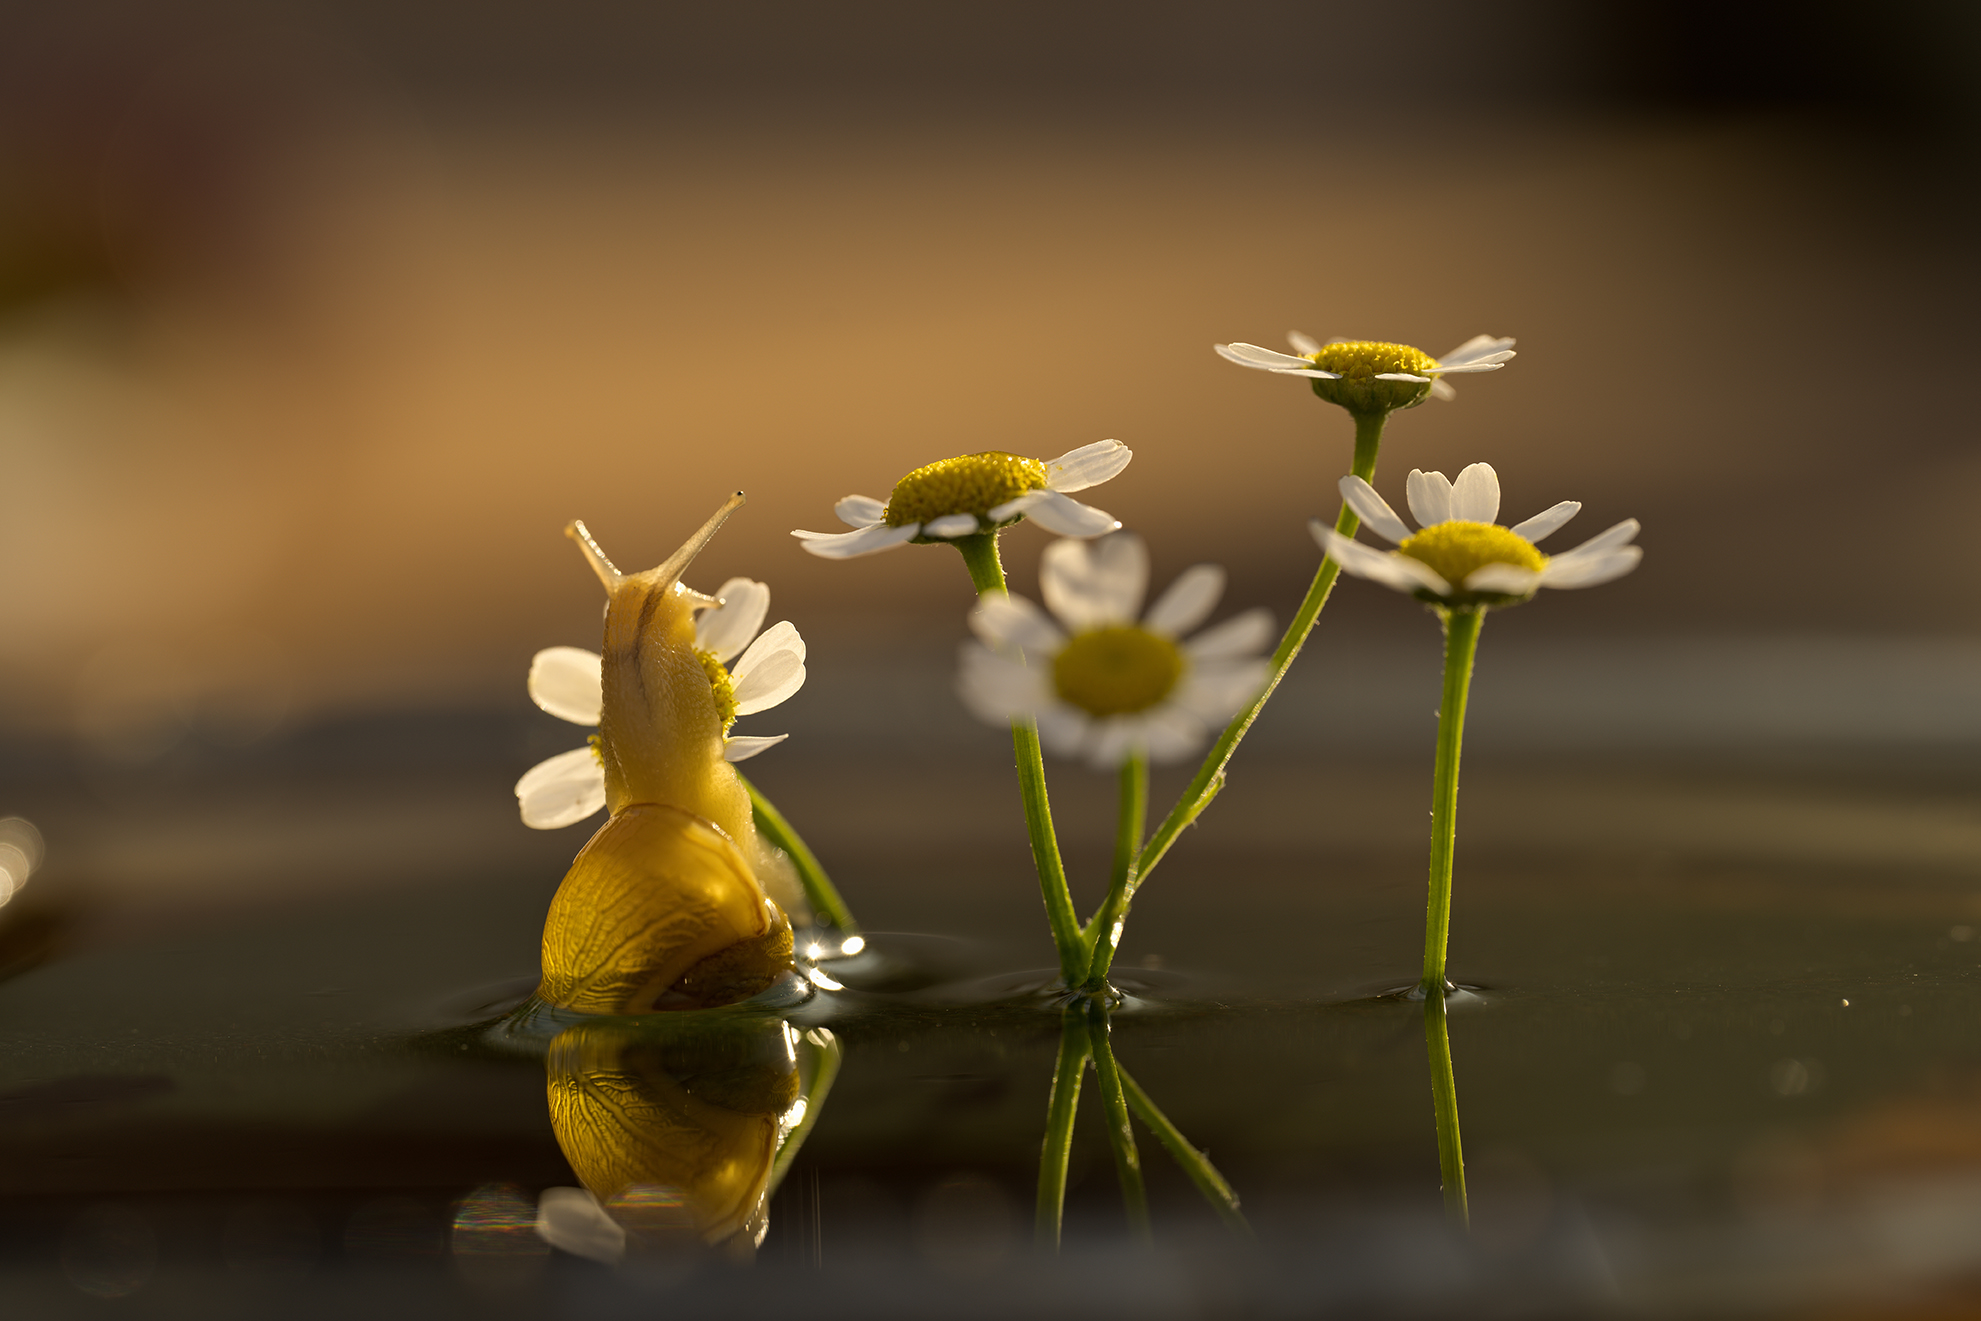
{"x": 866, "y": 541}
{"x": 561, "y": 791}
{"x": 1090, "y": 465}
{"x": 1092, "y": 583}
{"x": 1373, "y": 510}
{"x": 727, "y": 628}
{"x": 1429, "y": 494}
{"x": 861, "y": 511}
{"x": 565, "y": 681}
{"x": 1188, "y": 602}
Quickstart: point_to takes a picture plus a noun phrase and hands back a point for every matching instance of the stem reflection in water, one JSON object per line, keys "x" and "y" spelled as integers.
{"x": 1085, "y": 1038}
{"x": 1444, "y": 1103}
{"x": 679, "y": 1130}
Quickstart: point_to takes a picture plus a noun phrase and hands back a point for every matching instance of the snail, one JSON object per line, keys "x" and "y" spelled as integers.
{"x": 665, "y": 907}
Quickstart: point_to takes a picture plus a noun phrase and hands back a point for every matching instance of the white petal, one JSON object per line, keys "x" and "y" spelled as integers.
{"x": 1005, "y": 622}
{"x": 1469, "y": 367}
{"x": 1477, "y": 349}
{"x": 950, "y": 526}
{"x": 1548, "y": 521}
{"x": 1306, "y": 345}
{"x": 1090, "y": 465}
{"x": 1111, "y": 740}
{"x": 1010, "y": 509}
{"x": 727, "y": 628}
{"x": 1171, "y": 732}
{"x": 1219, "y": 691}
{"x": 770, "y": 671}
{"x": 1441, "y": 389}
{"x": 1475, "y": 496}
{"x": 570, "y": 1219}
{"x": 1429, "y": 494}
{"x": 1092, "y": 583}
{"x": 561, "y": 791}
{"x": 1067, "y": 517}
{"x": 996, "y": 688}
{"x": 1391, "y": 569}
{"x": 1188, "y": 602}
{"x": 1603, "y": 541}
{"x": 1509, "y": 578}
{"x": 866, "y": 541}
{"x": 1062, "y": 729}
{"x": 1399, "y": 376}
{"x": 861, "y": 511}
{"x": 1241, "y": 635}
{"x": 565, "y": 681}
{"x": 745, "y": 746}
{"x": 1591, "y": 570}
{"x": 1373, "y": 510}
{"x": 1251, "y": 355}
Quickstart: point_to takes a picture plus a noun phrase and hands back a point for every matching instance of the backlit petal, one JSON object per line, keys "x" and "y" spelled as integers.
{"x": 1373, "y": 510}
{"x": 1241, "y": 635}
{"x": 1092, "y": 583}
{"x": 745, "y": 746}
{"x": 1475, "y": 496}
{"x": 1090, "y": 465}
{"x": 727, "y": 628}
{"x": 1429, "y": 494}
{"x": 770, "y": 671}
{"x": 860, "y": 511}
{"x": 561, "y": 791}
{"x": 1004, "y": 621}
{"x": 1188, "y": 602}
{"x": 1591, "y": 570}
{"x": 1067, "y": 517}
{"x": 1548, "y": 521}
{"x": 950, "y": 526}
{"x": 866, "y": 541}
{"x": 565, "y": 681}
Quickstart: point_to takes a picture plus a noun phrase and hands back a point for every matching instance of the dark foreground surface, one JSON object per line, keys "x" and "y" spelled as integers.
{"x": 1722, "y": 1059}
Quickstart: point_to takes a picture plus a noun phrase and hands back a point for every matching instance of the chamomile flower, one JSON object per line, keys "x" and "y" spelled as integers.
{"x": 1100, "y": 684}
{"x": 1462, "y": 558}
{"x": 565, "y": 681}
{"x": 974, "y": 493}
{"x": 1346, "y": 372}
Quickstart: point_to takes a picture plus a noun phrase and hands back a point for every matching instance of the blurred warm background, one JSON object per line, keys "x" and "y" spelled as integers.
{"x": 319, "y": 320}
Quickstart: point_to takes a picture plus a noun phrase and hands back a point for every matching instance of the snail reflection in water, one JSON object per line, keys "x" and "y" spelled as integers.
{"x": 665, "y": 907}
{"x": 679, "y": 1135}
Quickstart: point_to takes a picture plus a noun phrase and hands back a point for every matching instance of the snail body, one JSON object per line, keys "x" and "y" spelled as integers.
{"x": 665, "y": 906}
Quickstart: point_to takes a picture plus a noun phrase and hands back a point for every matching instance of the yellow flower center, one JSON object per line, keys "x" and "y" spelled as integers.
{"x": 1457, "y": 548}
{"x": 1117, "y": 670}
{"x": 971, "y": 484}
{"x": 719, "y": 682}
{"x": 1362, "y": 358}
{"x": 1359, "y": 361}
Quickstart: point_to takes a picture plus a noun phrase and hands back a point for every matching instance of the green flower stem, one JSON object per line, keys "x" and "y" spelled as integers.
{"x": 1060, "y": 1110}
{"x": 1461, "y": 641}
{"x": 1103, "y": 933}
{"x": 819, "y": 890}
{"x": 1444, "y": 1101}
{"x": 824, "y": 1072}
{"x": 1120, "y": 1136}
{"x": 987, "y": 573}
{"x": 1195, "y": 1163}
{"x": 1210, "y": 776}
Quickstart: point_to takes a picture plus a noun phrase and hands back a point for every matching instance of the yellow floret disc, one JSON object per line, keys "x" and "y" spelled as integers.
{"x": 1359, "y": 361}
{"x": 970, "y": 484}
{"x": 1117, "y": 670}
{"x": 1457, "y": 548}
{"x": 723, "y": 689}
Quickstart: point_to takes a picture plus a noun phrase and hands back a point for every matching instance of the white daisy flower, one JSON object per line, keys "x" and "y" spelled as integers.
{"x": 1462, "y": 557}
{"x": 1354, "y": 364}
{"x": 975, "y": 493}
{"x": 1100, "y": 685}
{"x": 565, "y": 681}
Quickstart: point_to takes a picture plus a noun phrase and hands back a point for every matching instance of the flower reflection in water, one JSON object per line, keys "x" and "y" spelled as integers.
{"x": 679, "y": 1130}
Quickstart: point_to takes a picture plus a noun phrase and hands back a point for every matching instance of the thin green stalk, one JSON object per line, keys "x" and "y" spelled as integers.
{"x": 1060, "y": 1110}
{"x": 1210, "y": 776}
{"x": 1444, "y": 1102}
{"x": 824, "y": 1072}
{"x": 1461, "y": 641}
{"x": 1221, "y": 1196}
{"x": 987, "y": 574}
{"x": 1120, "y": 1136}
{"x": 819, "y": 890}
{"x": 1104, "y": 932}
